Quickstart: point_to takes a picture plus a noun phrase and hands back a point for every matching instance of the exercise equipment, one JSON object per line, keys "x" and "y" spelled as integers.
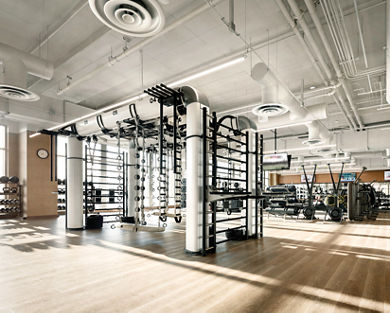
{"x": 362, "y": 200}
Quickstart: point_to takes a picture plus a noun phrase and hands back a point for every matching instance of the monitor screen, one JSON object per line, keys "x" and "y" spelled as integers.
{"x": 387, "y": 175}
{"x": 277, "y": 161}
{"x": 309, "y": 178}
{"x": 348, "y": 177}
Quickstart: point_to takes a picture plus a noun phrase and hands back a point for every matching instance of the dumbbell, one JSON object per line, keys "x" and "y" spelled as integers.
{"x": 14, "y": 179}
{"x": 4, "y": 179}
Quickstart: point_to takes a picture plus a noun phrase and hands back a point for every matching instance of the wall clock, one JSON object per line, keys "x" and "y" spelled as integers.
{"x": 42, "y": 153}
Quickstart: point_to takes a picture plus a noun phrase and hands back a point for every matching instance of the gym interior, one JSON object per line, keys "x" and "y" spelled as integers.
{"x": 194, "y": 156}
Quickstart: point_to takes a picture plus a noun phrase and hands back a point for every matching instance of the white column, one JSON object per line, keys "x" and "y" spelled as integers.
{"x": 194, "y": 170}
{"x": 131, "y": 180}
{"x": 74, "y": 184}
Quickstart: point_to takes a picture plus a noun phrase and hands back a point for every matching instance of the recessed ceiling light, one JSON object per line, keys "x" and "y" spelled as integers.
{"x": 312, "y": 87}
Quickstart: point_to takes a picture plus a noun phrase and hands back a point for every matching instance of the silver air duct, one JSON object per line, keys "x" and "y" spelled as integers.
{"x": 136, "y": 18}
{"x": 16, "y": 65}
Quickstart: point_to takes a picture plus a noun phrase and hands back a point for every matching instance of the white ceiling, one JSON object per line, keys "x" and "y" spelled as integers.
{"x": 83, "y": 43}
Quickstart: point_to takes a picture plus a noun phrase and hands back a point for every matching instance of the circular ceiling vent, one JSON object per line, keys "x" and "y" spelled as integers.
{"x": 137, "y": 18}
{"x": 270, "y": 109}
{"x": 16, "y": 93}
{"x": 312, "y": 141}
{"x": 323, "y": 150}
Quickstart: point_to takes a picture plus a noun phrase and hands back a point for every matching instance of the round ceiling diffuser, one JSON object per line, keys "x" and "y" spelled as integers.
{"x": 17, "y": 93}
{"x": 270, "y": 109}
{"x": 312, "y": 141}
{"x": 137, "y": 18}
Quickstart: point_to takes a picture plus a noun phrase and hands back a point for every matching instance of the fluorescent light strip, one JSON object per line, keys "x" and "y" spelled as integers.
{"x": 383, "y": 108}
{"x": 321, "y": 160}
{"x": 207, "y": 72}
{"x": 143, "y": 95}
{"x": 283, "y": 126}
{"x": 301, "y": 149}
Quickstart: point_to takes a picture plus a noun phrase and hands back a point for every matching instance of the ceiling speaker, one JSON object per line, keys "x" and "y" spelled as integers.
{"x": 136, "y": 18}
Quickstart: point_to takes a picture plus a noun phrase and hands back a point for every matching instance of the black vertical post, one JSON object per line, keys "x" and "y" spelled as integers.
{"x": 247, "y": 182}
{"x": 51, "y": 157}
{"x": 66, "y": 186}
{"x": 214, "y": 221}
{"x": 123, "y": 183}
{"x": 205, "y": 181}
{"x": 261, "y": 182}
{"x": 161, "y": 139}
{"x": 174, "y": 135}
{"x": 214, "y": 146}
{"x": 276, "y": 140}
{"x": 86, "y": 184}
{"x": 55, "y": 157}
{"x": 256, "y": 185}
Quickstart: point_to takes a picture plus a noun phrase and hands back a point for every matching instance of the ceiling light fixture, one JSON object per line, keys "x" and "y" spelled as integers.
{"x": 116, "y": 105}
{"x": 207, "y": 71}
{"x": 301, "y": 149}
{"x": 282, "y": 126}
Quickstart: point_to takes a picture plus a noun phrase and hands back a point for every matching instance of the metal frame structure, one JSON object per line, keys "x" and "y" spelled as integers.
{"x": 213, "y": 193}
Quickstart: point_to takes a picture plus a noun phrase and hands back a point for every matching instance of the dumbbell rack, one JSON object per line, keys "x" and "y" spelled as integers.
{"x": 61, "y": 196}
{"x": 11, "y": 204}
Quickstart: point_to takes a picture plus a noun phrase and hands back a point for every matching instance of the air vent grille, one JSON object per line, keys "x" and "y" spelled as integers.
{"x": 137, "y": 18}
{"x": 16, "y": 93}
{"x": 270, "y": 109}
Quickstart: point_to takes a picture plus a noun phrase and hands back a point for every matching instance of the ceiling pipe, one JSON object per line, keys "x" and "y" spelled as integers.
{"x": 34, "y": 65}
{"x": 318, "y": 134}
{"x": 113, "y": 60}
{"x": 339, "y": 101}
{"x": 314, "y": 113}
{"x": 328, "y": 50}
{"x": 79, "y": 6}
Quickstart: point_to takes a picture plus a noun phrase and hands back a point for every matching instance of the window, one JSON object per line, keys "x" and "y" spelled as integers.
{"x": 3, "y": 150}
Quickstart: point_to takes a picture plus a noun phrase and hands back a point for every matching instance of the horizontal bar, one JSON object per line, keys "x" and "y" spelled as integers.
{"x": 232, "y": 139}
{"x": 221, "y": 241}
{"x": 232, "y": 129}
{"x": 231, "y": 149}
{"x": 231, "y": 169}
{"x": 230, "y": 219}
{"x": 230, "y": 159}
{"x": 232, "y": 179}
{"x": 225, "y": 230}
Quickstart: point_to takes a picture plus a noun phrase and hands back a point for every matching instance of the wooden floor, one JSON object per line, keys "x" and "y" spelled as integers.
{"x": 297, "y": 267}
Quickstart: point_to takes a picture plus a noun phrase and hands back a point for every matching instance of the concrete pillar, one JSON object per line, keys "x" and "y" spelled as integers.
{"x": 194, "y": 170}
{"x": 74, "y": 184}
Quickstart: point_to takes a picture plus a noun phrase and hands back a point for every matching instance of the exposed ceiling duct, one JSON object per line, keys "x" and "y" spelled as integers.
{"x": 136, "y": 18}
{"x": 274, "y": 94}
{"x": 317, "y": 134}
{"x": 16, "y": 65}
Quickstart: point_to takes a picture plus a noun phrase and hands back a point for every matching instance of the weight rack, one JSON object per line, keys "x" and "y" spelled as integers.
{"x": 220, "y": 182}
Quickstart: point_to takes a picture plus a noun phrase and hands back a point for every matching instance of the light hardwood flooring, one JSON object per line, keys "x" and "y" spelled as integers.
{"x": 298, "y": 266}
